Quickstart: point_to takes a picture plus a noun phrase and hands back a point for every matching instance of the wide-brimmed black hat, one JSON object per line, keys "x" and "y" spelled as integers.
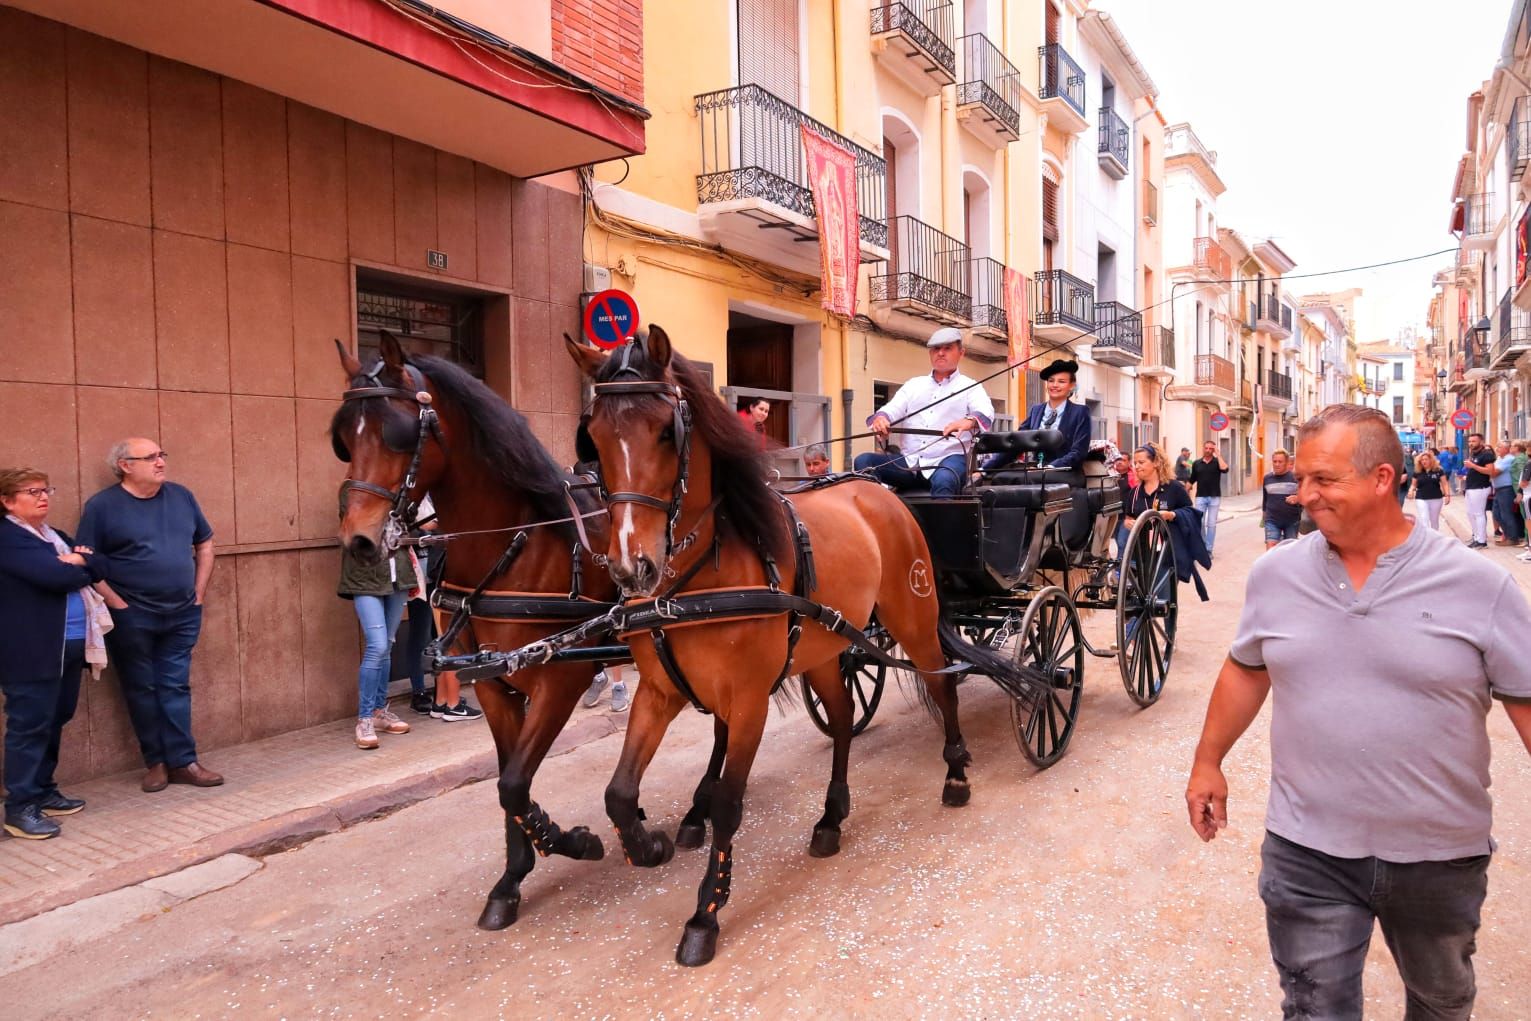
{"x": 1060, "y": 365}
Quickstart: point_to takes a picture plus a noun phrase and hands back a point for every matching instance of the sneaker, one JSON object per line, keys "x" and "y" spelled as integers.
{"x": 59, "y": 803}
{"x": 1523, "y": 556}
{"x": 29, "y": 823}
{"x": 619, "y": 698}
{"x": 384, "y": 721}
{"x": 1477, "y": 545}
{"x": 421, "y": 702}
{"x": 366, "y": 736}
{"x": 592, "y": 694}
{"x": 451, "y": 714}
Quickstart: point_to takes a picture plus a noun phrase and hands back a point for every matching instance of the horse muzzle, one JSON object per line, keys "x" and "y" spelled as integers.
{"x": 637, "y": 577}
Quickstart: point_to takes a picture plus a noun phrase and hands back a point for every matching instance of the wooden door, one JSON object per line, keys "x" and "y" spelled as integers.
{"x": 760, "y": 355}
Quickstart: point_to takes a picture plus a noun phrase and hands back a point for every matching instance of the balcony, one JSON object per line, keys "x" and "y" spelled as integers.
{"x": 1278, "y": 390}
{"x": 1158, "y": 354}
{"x": 1063, "y": 307}
{"x": 913, "y": 39}
{"x": 752, "y": 193}
{"x": 986, "y": 285}
{"x": 988, "y": 92}
{"x": 1212, "y": 382}
{"x": 1514, "y": 335}
{"x": 1150, "y": 203}
{"x": 1113, "y": 143}
{"x": 1118, "y": 334}
{"x": 1243, "y": 403}
{"x": 1517, "y": 144}
{"x": 1062, "y": 89}
{"x": 1271, "y": 318}
{"x": 1478, "y": 222}
{"x": 1211, "y": 260}
{"x": 925, "y": 276}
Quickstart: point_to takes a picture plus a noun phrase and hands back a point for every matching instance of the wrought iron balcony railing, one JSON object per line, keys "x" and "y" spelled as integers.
{"x": 1278, "y": 385}
{"x": 1118, "y": 329}
{"x": 752, "y": 147}
{"x": 927, "y": 275}
{"x": 986, "y": 78}
{"x": 1164, "y": 346}
{"x": 986, "y": 283}
{"x": 1215, "y": 371}
{"x": 925, "y": 23}
{"x": 1212, "y": 258}
{"x": 1062, "y": 299}
{"x": 1113, "y": 136}
{"x": 1478, "y": 215}
{"x": 1514, "y": 333}
{"x": 1061, "y": 77}
{"x": 1518, "y": 143}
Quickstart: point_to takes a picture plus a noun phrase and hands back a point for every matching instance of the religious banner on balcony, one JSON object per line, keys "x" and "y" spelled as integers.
{"x": 1522, "y": 246}
{"x": 1017, "y": 316}
{"x": 832, "y": 179}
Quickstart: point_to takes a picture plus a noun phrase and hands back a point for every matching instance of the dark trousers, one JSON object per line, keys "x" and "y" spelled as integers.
{"x": 1319, "y": 912}
{"x": 945, "y": 479}
{"x": 152, "y": 654}
{"x": 1507, "y": 513}
{"x": 420, "y": 634}
{"x": 35, "y": 713}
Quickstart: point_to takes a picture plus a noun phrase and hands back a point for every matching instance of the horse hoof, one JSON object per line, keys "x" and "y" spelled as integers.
{"x": 956, "y": 793}
{"x": 664, "y": 850}
{"x": 825, "y": 843}
{"x": 582, "y": 845}
{"x": 698, "y": 945}
{"x": 499, "y": 913}
{"x": 690, "y": 835}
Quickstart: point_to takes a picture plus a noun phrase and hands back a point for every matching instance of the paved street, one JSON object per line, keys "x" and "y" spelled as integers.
{"x": 1077, "y": 892}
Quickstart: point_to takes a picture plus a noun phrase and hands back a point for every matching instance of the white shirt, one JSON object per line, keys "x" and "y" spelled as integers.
{"x": 941, "y": 402}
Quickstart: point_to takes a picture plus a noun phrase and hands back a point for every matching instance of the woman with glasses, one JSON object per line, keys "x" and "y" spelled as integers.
{"x": 49, "y": 615}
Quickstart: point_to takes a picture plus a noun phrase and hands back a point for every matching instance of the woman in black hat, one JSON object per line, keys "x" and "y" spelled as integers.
{"x": 1057, "y": 412}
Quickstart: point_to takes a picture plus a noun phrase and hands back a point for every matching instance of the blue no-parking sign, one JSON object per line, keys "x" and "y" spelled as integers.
{"x": 611, "y": 319}
{"x": 1218, "y": 422}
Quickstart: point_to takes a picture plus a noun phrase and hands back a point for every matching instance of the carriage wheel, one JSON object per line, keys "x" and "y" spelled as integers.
{"x": 1050, "y": 640}
{"x": 864, "y": 679}
{"x": 1146, "y": 610}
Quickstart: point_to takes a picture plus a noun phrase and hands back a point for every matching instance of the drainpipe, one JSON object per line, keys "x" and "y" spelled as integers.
{"x": 1137, "y": 278}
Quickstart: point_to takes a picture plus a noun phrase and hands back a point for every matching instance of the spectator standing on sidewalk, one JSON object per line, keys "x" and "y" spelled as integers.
{"x": 1449, "y": 467}
{"x": 1430, "y": 488}
{"x": 49, "y": 615}
{"x": 159, "y": 559}
{"x": 378, "y": 593}
{"x": 1512, "y": 530}
{"x": 1477, "y": 488}
{"x": 1362, "y": 825}
{"x": 1183, "y": 466}
{"x": 1207, "y": 474}
{"x": 418, "y": 614}
{"x": 619, "y": 697}
{"x": 1279, "y": 510}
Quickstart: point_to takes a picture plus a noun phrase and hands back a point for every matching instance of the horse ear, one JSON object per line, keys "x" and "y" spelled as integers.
{"x": 348, "y": 361}
{"x": 659, "y": 347}
{"x": 587, "y": 358}
{"x": 392, "y": 351}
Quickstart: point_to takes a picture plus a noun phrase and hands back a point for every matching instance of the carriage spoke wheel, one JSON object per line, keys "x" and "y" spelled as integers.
{"x": 864, "y": 679}
{"x": 1146, "y": 610}
{"x": 1050, "y": 640}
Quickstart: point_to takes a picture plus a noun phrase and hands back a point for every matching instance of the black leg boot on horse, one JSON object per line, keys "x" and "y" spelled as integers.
{"x": 839, "y": 712}
{"x": 692, "y": 832}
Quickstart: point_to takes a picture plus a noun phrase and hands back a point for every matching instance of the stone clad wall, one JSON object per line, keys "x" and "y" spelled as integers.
{"x": 177, "y": 251}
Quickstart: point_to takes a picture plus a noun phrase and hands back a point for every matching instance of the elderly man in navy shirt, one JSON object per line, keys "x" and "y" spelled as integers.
{"x": 158, "y": 550}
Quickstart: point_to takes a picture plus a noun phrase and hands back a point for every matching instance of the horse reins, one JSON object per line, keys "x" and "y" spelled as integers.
{"x": 401, "y": 507}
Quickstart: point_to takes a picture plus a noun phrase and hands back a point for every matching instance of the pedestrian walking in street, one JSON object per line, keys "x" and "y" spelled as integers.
{"x": 158, "y": 550}
{"x": 1430, "y": 489}
{"x": 1183, "y": 466}
{"x": 1477, "y": 488}
{"x": 1512, "y": 530}
{"x": 50, "y": 615}
{"x": 1450, "y": 464}
{"x": 1377, "y": 639}
{"x": 378, "y": 593}
{"x": 1279, "y": 509}
{"x": 1207, "y": 474}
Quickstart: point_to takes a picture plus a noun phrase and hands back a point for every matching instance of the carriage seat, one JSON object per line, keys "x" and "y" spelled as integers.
{"x": 1032, "y": 496}
{"x": 1047, "y": 442}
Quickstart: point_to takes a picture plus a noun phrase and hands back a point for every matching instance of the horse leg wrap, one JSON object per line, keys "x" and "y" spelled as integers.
{"x": 639, "y": 846}
{"x": 541, "y": 830}
{"x": 715, "y": 885}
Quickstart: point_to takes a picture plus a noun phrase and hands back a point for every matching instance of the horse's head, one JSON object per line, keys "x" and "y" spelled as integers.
{"x": 639, "y": 432}
{"x": 385, "y": 426}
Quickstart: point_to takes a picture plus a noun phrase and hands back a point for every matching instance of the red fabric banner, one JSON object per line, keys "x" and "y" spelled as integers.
{"x": 1017, "y": 316}
{"x": 832, "y": 179}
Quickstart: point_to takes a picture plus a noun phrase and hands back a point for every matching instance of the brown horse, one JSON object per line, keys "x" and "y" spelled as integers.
{"x": 686, "y": 488}
{"x": 486, "y": 473}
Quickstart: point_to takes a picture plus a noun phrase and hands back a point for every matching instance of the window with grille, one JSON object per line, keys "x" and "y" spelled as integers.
{"x": 440, "y": 323}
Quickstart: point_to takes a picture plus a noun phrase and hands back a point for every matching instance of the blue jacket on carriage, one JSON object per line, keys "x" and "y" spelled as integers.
{"x": 1073, "y": 420}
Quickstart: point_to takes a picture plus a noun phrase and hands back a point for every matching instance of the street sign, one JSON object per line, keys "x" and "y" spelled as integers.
{"x": 1462, "y": 418}
{"x": 1218, "y": 422}
{"x": 611, "y": 319}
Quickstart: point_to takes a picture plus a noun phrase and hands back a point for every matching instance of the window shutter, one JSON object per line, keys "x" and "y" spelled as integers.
{"x": 768, "y": 47}
{"x": 1049, "y": 210}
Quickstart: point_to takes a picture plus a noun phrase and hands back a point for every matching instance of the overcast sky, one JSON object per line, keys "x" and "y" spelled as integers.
{"x": 1337, "y": 123}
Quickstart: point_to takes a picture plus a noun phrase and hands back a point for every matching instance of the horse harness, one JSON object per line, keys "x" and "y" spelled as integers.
{"x": 401, "y": 508}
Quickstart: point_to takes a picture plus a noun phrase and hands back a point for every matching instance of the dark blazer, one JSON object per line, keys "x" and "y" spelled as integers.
{"x": 1075, "y": 426}
{"x": 34, "y": 589}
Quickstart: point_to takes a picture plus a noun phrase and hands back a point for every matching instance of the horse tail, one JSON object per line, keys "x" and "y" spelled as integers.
{"x": 1025, "y": 683}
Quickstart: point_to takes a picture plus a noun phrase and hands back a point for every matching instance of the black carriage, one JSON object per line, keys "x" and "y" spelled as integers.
{"x": 1016, "y": 559}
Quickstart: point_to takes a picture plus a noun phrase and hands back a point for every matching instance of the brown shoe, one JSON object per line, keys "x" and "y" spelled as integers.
{"x": 155, "y": 779}
{"x": 196, "y": 775}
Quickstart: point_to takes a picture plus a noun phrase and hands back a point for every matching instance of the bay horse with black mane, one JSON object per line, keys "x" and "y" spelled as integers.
{"x": 413, "y": 424}
{"x": 691, "y": 511}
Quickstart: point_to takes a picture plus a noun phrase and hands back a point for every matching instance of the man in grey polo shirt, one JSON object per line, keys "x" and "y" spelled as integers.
{"x": 1384, "y": 644}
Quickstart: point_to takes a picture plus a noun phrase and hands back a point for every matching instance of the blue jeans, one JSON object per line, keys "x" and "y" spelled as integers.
{"x": 35, "y": 714}
{"x": 1208, "y": 506}
{"x": 1507, "y": 513}
{"x": 945, "y": 478}
{"x": 1279, "y": 533}
{"x": 152, "y": 653}
{"x": 379, "y": 616}
{"x": 1319, "y": 913}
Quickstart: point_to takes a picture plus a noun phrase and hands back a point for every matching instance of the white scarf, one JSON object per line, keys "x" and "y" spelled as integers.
{"x": 98, "y": 619}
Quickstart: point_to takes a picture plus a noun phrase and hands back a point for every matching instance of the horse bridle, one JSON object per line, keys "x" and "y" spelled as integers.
{"x": 401, "y": 508}
{"x": 681, "y": 427}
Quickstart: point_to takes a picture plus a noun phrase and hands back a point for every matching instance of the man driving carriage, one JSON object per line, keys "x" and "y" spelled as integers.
{"x": 945, "y": 399}
{"x": 1057, "y": 412}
